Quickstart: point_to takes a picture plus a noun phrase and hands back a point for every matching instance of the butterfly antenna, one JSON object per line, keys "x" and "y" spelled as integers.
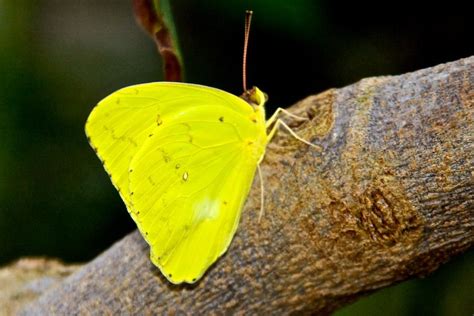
{"x": 248, "y": 20}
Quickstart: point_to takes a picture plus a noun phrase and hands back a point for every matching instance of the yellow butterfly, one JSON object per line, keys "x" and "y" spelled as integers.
{"x": 183, "y": 158}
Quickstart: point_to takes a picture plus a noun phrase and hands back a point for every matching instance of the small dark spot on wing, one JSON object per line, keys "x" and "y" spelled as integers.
{"x": 159, "y": 121}
{"x": 166, "y": 157}
{"x": 150, "y": 179}
{"x": 116, "y": 137}
{"x": 221, "y": 119}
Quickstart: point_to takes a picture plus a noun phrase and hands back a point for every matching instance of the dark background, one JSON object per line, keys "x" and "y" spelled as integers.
{"x": 59, "y": 58}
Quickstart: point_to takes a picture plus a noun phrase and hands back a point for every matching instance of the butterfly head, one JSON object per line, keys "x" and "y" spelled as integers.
{"x": 255, "y": 97}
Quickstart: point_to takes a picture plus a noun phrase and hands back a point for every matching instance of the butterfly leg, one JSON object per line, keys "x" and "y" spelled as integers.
{"x": 262, "y": 197}
{"x": 274, "y": 116}
{"x": 277, "y": 125}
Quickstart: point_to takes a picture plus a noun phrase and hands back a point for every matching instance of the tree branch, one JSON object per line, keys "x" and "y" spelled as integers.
{"x": 390, "y": 197}
{"x": 155, "y": 17}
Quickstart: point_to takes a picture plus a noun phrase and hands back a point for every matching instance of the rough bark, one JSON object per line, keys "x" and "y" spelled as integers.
{"x": 389, "y": 197}
{"x": 25, "y": 280}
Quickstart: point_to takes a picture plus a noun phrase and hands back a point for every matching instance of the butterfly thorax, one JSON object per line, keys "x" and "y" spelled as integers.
{"x": 256, "y": 146}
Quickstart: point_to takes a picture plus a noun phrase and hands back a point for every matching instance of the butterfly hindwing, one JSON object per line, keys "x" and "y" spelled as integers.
{"x": 188, "y": 184}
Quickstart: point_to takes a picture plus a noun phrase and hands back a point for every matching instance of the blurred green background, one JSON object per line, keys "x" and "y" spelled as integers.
{"x": 59, "y": 58}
